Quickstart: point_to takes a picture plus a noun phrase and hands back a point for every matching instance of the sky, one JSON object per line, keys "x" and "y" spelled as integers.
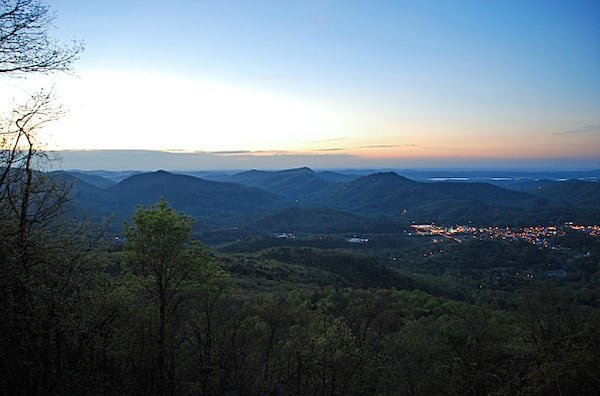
{"x": 243, "y": 84}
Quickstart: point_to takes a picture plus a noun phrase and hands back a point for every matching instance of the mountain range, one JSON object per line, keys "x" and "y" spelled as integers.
{"x": 305, "y": 200}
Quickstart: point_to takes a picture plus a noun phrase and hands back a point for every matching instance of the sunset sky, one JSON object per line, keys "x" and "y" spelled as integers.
{"x": 341, "y": 83}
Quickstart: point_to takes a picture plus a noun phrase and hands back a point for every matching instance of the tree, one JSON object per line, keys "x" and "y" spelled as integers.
{"x": 26, "y": 47}
{"x": 27, "y": 197}
{"x": 39, "y": 282}
{"x": 29, "y": 200}
{"x": 172, "y": 268}
{"x": 25, "y": 44}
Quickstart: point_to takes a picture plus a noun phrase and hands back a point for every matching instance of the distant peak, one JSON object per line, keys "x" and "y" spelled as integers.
{"x": 303, "y": 169}
{"x": 386, "y": 174}
{"x": 159, "y": 174}
{"x": 382, "y": 176}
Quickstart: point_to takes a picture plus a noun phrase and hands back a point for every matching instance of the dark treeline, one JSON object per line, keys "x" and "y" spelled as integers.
{"x": 162, "y": 315}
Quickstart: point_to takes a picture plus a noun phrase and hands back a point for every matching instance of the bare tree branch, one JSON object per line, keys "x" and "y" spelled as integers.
{"x": 25, "y": 44}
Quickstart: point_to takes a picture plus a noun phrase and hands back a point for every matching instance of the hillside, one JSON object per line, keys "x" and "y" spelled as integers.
{"x": 92, "y": 202}
{"x": 300, "y": 200}
{"x": 211, "y": 203}
{"x": 571, "y": 192}
{"x": 530, "y": 185}
{"x": 336, "y": 177}
{"x": 293, "y": 183}
{"x": 93, "y": 179}
{"x": 314, "y": 220}
{"x": 378, "y": 191}
{"x": 394, "y": 195}
{"x": 195, "y": 196}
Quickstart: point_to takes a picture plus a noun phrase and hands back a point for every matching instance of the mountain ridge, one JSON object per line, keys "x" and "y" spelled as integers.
{"x": 266, "y": 198}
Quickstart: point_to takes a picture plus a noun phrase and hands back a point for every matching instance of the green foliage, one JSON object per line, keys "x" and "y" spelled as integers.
{"x": 160, "y": 249}
{"x": 57, "y": 307}
{"x": 174, "y": 271}
{"x": 356, "y": 269}
{"x": 163, "y": 317}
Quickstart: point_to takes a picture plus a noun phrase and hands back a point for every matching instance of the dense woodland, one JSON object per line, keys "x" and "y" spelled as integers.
{"x": 157, "y": 312}
{"x": 160, "y": 313}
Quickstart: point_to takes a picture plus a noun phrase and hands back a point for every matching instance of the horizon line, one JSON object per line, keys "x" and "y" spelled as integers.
{"x": 144, "y": 159}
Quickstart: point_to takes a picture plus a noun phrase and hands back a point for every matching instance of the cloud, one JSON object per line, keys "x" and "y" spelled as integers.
{"x": 240, "y": 153}
{"x": 154, "y": 160}
{"x": 331, "y": 149}
{"x": 581, "y": 130}
{"x": 373, "y": 146}
{"x": 230, "y": 152}
{"x": 376, "y": 146}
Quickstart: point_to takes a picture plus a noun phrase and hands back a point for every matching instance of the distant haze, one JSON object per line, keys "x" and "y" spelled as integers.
{"x": 179, "y": 161}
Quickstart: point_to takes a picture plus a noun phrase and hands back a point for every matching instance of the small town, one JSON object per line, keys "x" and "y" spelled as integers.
{"x": 535, "y": 235}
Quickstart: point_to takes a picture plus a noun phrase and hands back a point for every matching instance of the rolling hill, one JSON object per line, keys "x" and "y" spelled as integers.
{"x": 390, "y": 192}
{"x": 195, "y": 196}
{"x": 296, "y": 183}
{"x": 571, "y": 192}
{"x": 212, "y": 203}
{"x": 93, "y": 179}
{"x": 301, "y": 200}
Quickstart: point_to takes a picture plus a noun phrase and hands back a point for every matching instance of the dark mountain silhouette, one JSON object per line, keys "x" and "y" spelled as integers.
{"x": 336, "y": 177}
{"x": 571, "y": 192}
{"x": 389, "y": 194}
{"x": 529, "y": 185}
{"x": 484, "y": 192}
{"x": 195, "y": 196}
{"x": 95, "y": 180}
{"x": 90, "y": 201}
{"x": 299, "y": 200}
{"x": 388, "y": 190}
{"x": 211, "y": 203}
{"x": 293, "y": 183}
{"x": 374, "y": 192}
{"x": 115, "y": 176}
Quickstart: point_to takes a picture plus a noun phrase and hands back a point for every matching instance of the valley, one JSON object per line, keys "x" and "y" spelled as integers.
{"x": 309, "y": 282}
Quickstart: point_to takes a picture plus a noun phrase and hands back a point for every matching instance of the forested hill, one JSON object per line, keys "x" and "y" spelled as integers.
{"x": 192, "y": 192}
{"x": 386, "y": 191}
{"x": 571, "y": 192}
{"x": 294, "y": 183}
{"x": 263, "y": 198}
{"x": 203, "y": 199}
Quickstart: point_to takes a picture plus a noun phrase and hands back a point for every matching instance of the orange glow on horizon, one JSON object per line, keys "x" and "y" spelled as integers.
{"x": 175, "y": 115}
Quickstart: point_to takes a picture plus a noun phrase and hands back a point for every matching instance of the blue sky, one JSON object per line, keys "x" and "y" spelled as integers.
{"x": 385, "y": 82}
